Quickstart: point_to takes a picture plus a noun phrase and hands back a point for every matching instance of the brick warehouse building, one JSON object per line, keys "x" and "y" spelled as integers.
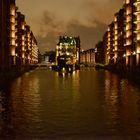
{"x": 18, "y": 46}
{"x": 121, "y": 41}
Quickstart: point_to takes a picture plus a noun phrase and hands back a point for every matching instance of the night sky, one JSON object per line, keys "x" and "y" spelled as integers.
{"x": 85, "y": 18}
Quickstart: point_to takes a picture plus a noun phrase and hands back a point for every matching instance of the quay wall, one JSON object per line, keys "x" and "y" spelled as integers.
{"x": 9, "y": 75}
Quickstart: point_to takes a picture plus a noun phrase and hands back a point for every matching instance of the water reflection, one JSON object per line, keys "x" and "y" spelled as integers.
{"x": 121, "y": 105}
{"x": 88, "y": 103}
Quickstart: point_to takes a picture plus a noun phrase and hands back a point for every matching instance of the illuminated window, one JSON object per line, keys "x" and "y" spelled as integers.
{"x": 108, "y": 29}
{"x": 115, "y": 19}
{"x": 127, "y": 1}
{"x": 116, "y": 43}
{"x": 13, "y": 42}
{"x": 13, "y": 27}
{"x": 128, "y": 26}
{"x": 138, "y": 17}
{"x": 138, "y": 49}
{"x": 23, "y": 26}
{"x": 115, "y": 55}
{"x": 12, "y": 11}
{"x": 128, "y": 10}
{"x": 13, "y": 34}
{"x": 128, "y": 52}
{"x": 116, "y": 37}
{"x": 138, "y": 7}
{"x": 116, "y": 32}
{"x": 138, "y": 36}
{"x": 13, "y": 51}
{"x": 128, "y": 42}
{"x": 23, "y": 55}
{"x": 128, "y": 34}
{"x": 23, "y": 43}
{"x": 116, "y": 26}
{"x": 23, "y": 37}
{"x": 128, "y": 18}
{"x": 23, "y": 49}
{"x": 138, "y": 26}
{"x": 12, "y": 19}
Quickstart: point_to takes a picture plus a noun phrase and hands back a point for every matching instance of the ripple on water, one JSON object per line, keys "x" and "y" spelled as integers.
{"x": 85, "y": 105}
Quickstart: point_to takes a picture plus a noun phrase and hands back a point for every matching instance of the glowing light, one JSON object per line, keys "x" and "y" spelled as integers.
{"x": 12, "y": 19}
{"x": 68, "y": 53}
{"x": 23, "y": 26}
{"x": 13, "y": 42}
{"x": 134, "y": 53}
{"x": 128, "y": 54}
{"x": 13, "y": 52}
{"x": 23, "y": 56}
{"x": 13, "y": 11}
{"x": 57, "y": 47}
{"x": 138, "y": 51}
{"x": 124, "y": 55}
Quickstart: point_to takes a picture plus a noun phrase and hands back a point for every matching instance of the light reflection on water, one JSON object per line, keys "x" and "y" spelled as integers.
{"x": 87, "y": 104}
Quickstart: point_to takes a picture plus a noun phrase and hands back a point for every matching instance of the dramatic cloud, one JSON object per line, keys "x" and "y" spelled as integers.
{"x": 85, "y": 18}
{"x": 90, "y": 33}
{"x": 50, "y": 30}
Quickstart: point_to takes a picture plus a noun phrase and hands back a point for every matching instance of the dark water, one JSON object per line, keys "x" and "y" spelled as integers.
{"x": 88, "y": 104}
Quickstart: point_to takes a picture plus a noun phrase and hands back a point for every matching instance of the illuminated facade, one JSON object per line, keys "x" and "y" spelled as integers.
{"x": 88, "y": 57}
{"x": 119, "y": 38}
{"x": 121, "y": 41}
{"x": 110, "y": 44}
{"x": 7, "y": 34}
{"x": 28, "y": 49}
{"x": 18, "y": 46}
{"x": 78, "y": 48}
{"x": 83, "y": 57}
{"x": 130, "y": 34}
{"x": 105, "y": 46}
{"x": 137, "y": 22}
{"x": 12, "y": 33}
{"x": 20, "y": 41}
{"x": 68, "y": 48}
{"x": 34, "y": 50}
{"x": 100, "y": 53}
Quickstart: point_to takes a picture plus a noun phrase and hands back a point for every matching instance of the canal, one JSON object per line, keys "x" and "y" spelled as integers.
{"x": 88, "y": 104}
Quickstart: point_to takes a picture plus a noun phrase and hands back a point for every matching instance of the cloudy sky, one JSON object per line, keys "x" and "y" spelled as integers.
{"x": 85, "y": 18}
